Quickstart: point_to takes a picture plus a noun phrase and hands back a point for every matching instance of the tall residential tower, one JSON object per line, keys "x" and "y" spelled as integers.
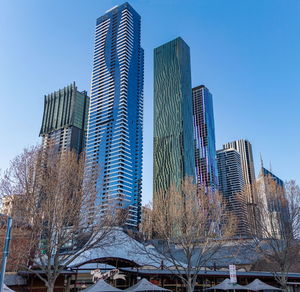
{"x": 65, "y": 119}
{"x": 231, "y": 184}
{"x": 204, "y": 135}
{"x": 173, "y": 117}
{"x": 115, "y": 138}
{"x": 244, "y": 148}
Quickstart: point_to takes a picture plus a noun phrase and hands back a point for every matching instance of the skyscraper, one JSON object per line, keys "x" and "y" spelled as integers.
{"x": 273, "y": 207}
{"x": 244, "y": 148}
{"x": 231, "y": 185}
{"x": 116, "y": 113}
{"x": 204, "y": 135}
{"x": 173, "y": 116}
{"x": 65, "y": 119}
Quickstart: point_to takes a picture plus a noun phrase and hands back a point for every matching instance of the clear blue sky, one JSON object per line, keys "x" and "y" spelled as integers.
{"x": 246, "y": 52}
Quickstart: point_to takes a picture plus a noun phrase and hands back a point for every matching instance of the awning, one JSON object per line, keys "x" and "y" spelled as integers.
{"x": 257, "y": 285}
{"x": 227, "y": 285}
{"x": 6, "y": 289}
{"x": 145, "y": 285}
{"x": 101, "y": 286}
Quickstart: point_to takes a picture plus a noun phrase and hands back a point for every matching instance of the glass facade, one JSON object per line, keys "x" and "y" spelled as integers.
{"x": 266, "y": 173}
{"x": 273, "y": 206}
{"x": 204, "y": 135}
{"x": 173, "y": 111}
{"x": 116, "y": 113}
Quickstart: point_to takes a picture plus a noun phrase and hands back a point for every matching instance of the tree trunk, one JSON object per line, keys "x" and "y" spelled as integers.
{"x": 50, "y": 287}
{"x": 284, "y": 286}
{"x": 283, "y": 282}
{"x": 189, "y": 286}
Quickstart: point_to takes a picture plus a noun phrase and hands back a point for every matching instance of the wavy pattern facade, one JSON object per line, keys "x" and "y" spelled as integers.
{"x": 173, "y": 123}
{"x": 116, "y": 112}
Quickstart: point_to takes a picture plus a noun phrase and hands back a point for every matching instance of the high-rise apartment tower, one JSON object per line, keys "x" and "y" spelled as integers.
{"x": 115, "y": 127}
{"x": 173, "y": 117}
{"x": 204, "y": 135}
{"x": 65, "y": 119}
{"x": 231, "y": 184}
{"x": 244, "y": 148}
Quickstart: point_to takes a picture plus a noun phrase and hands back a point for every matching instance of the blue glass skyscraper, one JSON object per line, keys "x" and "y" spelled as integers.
{"x": 114, "y": 143}
{"x": 205, "y": 142}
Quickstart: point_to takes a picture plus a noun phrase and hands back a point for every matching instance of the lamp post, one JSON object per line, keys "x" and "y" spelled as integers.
{"x": 5, "y": 252}
{"x": 137, "y": 274}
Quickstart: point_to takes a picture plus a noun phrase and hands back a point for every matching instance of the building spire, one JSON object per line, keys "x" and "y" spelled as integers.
{"x": 261, "y": 161}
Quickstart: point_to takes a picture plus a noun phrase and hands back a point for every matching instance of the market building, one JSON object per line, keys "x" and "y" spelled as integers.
{"x": 125, "y": 261}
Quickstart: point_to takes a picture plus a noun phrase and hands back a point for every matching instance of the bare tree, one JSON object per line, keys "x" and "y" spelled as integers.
{"x": 278, "y": 222}
{"x": 49, "y": 194}
{"x": 292, "y": 194}
{"x": 194, "y": 222}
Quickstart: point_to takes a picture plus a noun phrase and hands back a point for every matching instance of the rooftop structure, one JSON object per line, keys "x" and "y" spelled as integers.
{"x": 65, "y": 119}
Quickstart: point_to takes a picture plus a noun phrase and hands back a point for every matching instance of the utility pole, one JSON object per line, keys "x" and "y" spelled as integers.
{"x": 5, "y": 252}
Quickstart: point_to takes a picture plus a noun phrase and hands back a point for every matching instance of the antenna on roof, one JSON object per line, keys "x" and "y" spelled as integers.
{"x": 261, "y": 161}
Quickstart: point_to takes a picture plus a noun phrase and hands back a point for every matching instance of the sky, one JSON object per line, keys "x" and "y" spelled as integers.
{"x": 246, "y": 53}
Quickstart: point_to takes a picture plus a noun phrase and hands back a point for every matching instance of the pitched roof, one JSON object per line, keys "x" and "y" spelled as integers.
{"x": 121, "y": 246}
{"x": 227, "y": 285}
{"x": 101, "y": 286}
{"x": 257, "y": 285}
{"x": 145, "y": 285}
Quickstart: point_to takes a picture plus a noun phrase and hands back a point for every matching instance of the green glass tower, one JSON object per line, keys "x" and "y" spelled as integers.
{"x": 65, "y": 119}
{"x": 173, "y": 116}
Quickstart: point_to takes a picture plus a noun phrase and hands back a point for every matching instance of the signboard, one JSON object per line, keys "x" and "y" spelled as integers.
{"x": 232, "y": 274}
{"x": 97, "y": 275}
